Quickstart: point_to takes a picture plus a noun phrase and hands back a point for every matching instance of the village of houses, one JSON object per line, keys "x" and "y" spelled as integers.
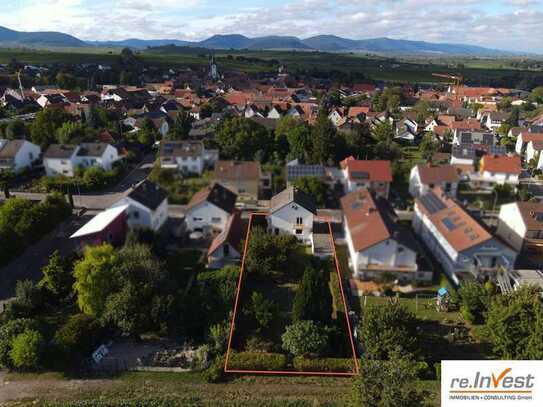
{"x": 434, "y": 232}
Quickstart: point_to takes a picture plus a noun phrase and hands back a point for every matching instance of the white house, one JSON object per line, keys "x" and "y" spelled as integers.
{"x": 494, "y": 120}
{"x": 499, "y": 169}
{"x": 425, "y": 177}
{"x": 377, "y": 243}
{"x": 147, "y": 206}
{"x": 524, "y": 138}
{"x": 463, "y": 247}
{"x": 226, "y": 247}
{"x": 209, "y": 209}
{"x": 533, "y": 152}
{"x": 292, "y": 212}
{"x": 18, "y": 155}
{"x": 521, "y": 225}
{"x": 376, "y": 175}
{"x": 187, "y": 156}
{"x": 64, "y": 159}
{"x": 336, "y": 117}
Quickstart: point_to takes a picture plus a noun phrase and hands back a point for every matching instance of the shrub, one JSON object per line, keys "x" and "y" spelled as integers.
{"x": 8, "y": 332}
{"x": 215, "y": 372}
{"x": 78, "y": 336}
{"x": 26, "y": 350}
{"x": 304, "y": 338}
{"x": 257, "y": 361}
{"x": 302, "y": 364}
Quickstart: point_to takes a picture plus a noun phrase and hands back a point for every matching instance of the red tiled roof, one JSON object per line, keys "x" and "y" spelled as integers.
{"x": 357, "y": 110}
{"x": 465, "y": 233}
{"x": 430, "y": 174}
{"x": 232, "y": 234}
{"x": 377, "y": 170}
{"x": 501, "y": 164}
{"x": 366, "y": 225}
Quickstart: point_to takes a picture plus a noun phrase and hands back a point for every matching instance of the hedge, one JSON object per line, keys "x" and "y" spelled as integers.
{"x": 257, "y": 361}
{"x": 302, "y": 364}
{"x": 337, "y": 301}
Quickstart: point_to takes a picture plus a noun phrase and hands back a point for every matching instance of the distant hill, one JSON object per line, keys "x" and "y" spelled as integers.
{"x": 327, "y": 43}
{"x": 12, "y": 38}
{"x": 138, "y": 44}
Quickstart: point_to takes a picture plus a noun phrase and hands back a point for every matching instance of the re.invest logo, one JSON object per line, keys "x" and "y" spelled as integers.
{"x": 491, "y": 383}
{"x": 505, "y": 382}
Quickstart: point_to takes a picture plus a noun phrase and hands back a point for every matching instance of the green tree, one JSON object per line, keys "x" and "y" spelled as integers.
{"x": 391, "y": 383}
{"x": 242, "y": 139}
{"x": 422, "y": 109}
{"x": 383, "y": 132}
{"x": 305, "y": 338}
{"x": 386, "y": 327}
{"x": 44, "y": 127}
{"x": 57, "y": 276}
{"x": 181, "y": 126}
{"x": 135, "y": 307}
{"x": 515, "y": 324}
{"x": 428, "y": 147}
{"x": 313, "y": 186}
{"x": 26, "y": 350}
{"x": 314, "y": 285}
{"x": 147, "y": 135}
{"x": 70, "y": 133}
{"x": 473, "y": 301}
{"x": 299, "y": 142}
{"x": 262, "y": 310}
{"x": 16, "y": 129}
{"x": 96, "y": 278}
{"x": 268, "y": 254}
{"x": 323, "y": 136}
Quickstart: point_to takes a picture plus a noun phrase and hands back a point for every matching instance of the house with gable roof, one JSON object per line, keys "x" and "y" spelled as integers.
{"x": 521, "y": 225}
{"x": 226, "y": 247}
{"x": 292, "y": 212}
{"x": 209, "y": 209}
{"x": 377, "y": 243}
{"x": 463, "y": 247}
{"x": 425, "y": 177}
{"x": 376, "y": 175}
{"x": 146, "y": 206}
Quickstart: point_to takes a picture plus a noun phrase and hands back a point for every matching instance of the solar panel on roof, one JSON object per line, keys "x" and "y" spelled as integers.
{"x": 297, "y": 171}
{"x": 432, "y": 203}
{"x": 539, "y": 216}
{"x": 449, "y": 224}
{"x": 360, "y": 174}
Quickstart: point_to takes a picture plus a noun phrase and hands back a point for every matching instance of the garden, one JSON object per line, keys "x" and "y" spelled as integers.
{"x": 290, "y": 316}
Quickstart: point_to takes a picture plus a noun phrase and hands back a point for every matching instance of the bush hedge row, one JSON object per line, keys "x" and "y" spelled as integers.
{"x": 257, "y": 361}
{"x": 302, "y": 364}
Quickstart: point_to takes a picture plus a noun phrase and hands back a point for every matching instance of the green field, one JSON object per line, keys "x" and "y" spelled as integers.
{"x": 401, "y": 69}
{"x": 189, "y": 389}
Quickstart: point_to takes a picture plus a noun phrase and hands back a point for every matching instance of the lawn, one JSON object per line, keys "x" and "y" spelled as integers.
{"x": 180, "y": 188}
{"x": 423, "y": 308}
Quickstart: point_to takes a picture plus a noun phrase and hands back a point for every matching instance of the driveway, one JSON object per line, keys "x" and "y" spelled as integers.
{"x": 29, "y": 264}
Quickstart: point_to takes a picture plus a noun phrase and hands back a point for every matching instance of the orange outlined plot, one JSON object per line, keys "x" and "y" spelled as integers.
{"x": 356, "y": 369}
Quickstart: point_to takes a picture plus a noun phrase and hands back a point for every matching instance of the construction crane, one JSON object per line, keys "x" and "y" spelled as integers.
{"x": 458, "y": 81}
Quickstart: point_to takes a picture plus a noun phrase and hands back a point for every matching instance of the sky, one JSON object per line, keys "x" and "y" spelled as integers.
{"x": 503, "y": 24}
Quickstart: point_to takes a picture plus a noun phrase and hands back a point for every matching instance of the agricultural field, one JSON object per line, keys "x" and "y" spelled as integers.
{"x": 494, "y": 72}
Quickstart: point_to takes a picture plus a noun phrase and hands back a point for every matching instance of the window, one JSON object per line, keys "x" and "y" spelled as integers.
{"x": 242, "y": 190}
{"x": 197, "y": 219}
{"x": 299, "y": 231}
{"x": 215, "y": 220}
{"x": 31, "y": 156}
{"x": 276, "y": 231}
{"x": 448, "y": 187}
{"x": 63, "y": 162}
{"x": 299, "y": 221}
{"x": 226, "y": 250}
{"x": 136, "y": 214}
{"x": 400, "y": 249}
